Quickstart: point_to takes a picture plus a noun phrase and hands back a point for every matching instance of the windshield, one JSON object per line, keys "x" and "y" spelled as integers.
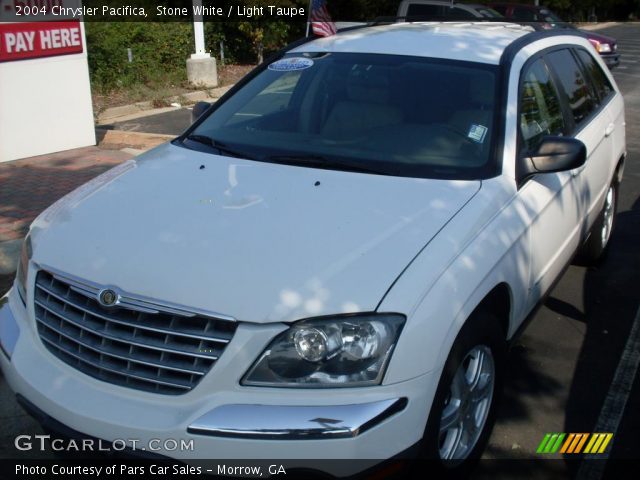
{"x": 385, "y": 114}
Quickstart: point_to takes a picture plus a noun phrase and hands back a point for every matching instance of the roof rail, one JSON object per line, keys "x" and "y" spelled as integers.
{"x": 386, "y": 20}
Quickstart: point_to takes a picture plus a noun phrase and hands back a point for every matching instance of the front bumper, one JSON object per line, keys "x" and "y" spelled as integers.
{"x": 224, "y": 419}
{"x": 612, "y": 60}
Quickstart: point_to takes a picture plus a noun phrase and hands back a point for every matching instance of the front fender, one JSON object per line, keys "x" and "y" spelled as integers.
{"x": 485, "y": 245}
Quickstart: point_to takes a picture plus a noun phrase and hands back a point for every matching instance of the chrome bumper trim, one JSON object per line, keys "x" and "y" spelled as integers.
{"x": 9, "y": 330}
{"x": 295, "y": 422}
{"x": 130, "y": 301}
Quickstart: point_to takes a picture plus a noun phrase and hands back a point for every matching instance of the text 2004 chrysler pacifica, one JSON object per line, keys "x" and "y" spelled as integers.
{"x": 331, "y": 261}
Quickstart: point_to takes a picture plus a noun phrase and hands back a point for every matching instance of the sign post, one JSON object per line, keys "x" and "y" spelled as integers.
{"x": 201, "y": 67}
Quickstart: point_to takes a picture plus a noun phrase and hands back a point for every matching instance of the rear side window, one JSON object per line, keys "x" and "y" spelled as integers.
{"x": 573, "y": 84}
{"x": 489, "y": 13}
{"x": 456, "y": 13}
{"x": 600, "y": 81}
{"x": 417, "y": 10}
{"x": 540, "y": 109}
{"x": 524, "y": 14}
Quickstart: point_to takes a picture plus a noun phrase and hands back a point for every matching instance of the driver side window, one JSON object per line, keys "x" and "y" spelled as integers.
{"x": 540, "y": 109}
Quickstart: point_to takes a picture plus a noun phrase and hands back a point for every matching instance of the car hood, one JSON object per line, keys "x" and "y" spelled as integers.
{"x": 599, "y": 37}
{"x": 586, "y": 33}
{"x": 256, "y": 241}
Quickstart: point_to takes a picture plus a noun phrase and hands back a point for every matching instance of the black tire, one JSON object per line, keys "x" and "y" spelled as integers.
{"x": 481, "y": 331}
{"x": 595, "y": 247}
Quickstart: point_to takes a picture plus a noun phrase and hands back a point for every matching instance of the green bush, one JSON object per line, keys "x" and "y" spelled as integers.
{"x": 159, "y": 53}
{"x": 160, "y": 50}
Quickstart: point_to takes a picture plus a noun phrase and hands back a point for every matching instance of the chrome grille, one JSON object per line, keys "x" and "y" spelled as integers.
{"x": 164, "y": 352}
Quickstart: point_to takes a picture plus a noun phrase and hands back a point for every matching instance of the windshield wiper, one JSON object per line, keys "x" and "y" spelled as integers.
{"x": 221, "y": 147}
{"x": 318, "y": 161}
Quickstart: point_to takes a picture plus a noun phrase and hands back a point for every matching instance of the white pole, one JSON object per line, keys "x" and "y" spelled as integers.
{"x": 198, "y": 31}
{"x": 309, "y": 17}
{"x": 201, "y": 67}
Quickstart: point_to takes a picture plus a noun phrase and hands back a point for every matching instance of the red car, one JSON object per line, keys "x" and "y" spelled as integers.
{"x": 543, "y": 18}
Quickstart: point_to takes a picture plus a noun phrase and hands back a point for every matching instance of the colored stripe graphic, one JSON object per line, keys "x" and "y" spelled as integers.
{"x": 567, "y": 443}
{"x": 606, "y": 441}
{"x": 579, "y": 437}
{"x": 594, "y": 438}
{"x": 583, "y": 439}
{"x": 574, "y": 443}
{"x": 558, "y": 443}
{"x": 543, "y": 443}
{"x": 598, "y": 443}
{"x": 550, "y": 443}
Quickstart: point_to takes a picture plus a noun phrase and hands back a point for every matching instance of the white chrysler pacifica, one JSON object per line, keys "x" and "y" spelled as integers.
{"x": 331, "y": 261}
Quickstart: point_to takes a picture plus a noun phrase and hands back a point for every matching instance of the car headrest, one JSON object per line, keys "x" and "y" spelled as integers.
{"x": 481, "y": 90}
{"x": 371, "y": 86}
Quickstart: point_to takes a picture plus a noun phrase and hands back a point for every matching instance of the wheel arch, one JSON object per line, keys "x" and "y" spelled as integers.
{"x": 498, "y": 302}
{"x": 619, "y": 170}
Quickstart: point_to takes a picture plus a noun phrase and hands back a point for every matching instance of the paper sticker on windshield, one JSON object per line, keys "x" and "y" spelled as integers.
{"x": 477, "y": 133}
{"x": 291, "y": 64}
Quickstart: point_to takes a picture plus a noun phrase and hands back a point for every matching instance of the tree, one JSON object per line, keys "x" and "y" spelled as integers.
{"x": 264, "y": 33}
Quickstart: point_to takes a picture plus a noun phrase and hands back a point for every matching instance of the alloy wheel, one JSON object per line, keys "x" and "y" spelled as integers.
{"x": 608, "y": 214}
{"x": 467, "y": 404}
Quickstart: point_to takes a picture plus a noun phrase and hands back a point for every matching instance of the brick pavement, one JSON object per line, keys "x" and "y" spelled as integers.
{"x": 30, "y": 185}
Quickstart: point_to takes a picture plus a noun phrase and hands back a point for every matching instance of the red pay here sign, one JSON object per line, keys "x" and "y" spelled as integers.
{"x": 19, "y": 41}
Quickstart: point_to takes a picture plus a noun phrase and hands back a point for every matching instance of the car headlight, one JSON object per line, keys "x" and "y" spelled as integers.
{"x": 340, "y": 351}
{"x": 23, "y": 268}
{"x": 601, "y": 47}
{"x": 604, "y": 47}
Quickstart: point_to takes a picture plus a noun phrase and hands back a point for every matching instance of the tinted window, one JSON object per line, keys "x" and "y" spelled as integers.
{"x": 573, "y": 84}
{"x": 489, "y": 13}
{"x": 459, "y": 14}
{"x": 548, "y": 16}
{"x": 524, "y": 14}
{"x": 540, "y": 110}
{"x": 501, "y": 9}
{"x": 395, "y": 115}
{"x": 427, "y": 11}
{"x": 600, "y": 81}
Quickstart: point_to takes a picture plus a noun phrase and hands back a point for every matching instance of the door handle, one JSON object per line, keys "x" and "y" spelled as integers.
{"x": 609, "y": 130}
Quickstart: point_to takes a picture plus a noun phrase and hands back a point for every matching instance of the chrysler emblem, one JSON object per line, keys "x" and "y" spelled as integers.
{"x": 108, "y": 298}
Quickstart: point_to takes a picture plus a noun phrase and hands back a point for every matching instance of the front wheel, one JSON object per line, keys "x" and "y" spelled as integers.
{"x": 463, "y": 410}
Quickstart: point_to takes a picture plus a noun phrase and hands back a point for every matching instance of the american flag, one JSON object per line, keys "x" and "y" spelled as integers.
{"x": 321, "y": 22}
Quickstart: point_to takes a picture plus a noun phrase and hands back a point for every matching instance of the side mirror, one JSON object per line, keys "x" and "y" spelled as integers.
{"x": 198, "y": 109}
{"x": 555, "y": 154}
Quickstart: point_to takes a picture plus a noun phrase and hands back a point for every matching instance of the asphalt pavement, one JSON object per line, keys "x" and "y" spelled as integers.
{"x": 166, "y": 123}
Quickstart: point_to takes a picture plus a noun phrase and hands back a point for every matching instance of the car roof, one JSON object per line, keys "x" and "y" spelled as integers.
{"x": 467, "y": 41}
